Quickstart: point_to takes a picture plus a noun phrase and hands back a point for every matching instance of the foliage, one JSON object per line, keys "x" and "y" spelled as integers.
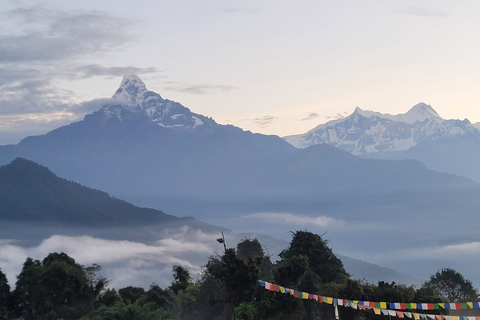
{"x": 452, "y": 286}
{"x": 182, "y": 279}
{"x": 135, "y": 311}
{"x": 131, "y": 294}
{"x": 109, "y": 298}
{"x": 57, "y": 287}
{"x": 321, "y": 258}
{"x": 5, "y": 296}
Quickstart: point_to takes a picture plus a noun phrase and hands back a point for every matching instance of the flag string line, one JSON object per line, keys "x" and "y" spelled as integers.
{"x": 386, "y": 308}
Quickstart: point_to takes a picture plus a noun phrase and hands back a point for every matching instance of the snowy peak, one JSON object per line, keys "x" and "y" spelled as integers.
{"x": 420, "y": 112}
{"x": 132, "y": 90}
{"x": 133, "y": 100}
{"x": 365, "y": 132}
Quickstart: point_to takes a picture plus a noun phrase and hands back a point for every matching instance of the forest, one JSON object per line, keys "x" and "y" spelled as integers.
{"x": 230, "y": 287}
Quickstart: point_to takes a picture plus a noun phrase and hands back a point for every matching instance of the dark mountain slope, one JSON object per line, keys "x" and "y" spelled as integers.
{"x": 30, "y": 193}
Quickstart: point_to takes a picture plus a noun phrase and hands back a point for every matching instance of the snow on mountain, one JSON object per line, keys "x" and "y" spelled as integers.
{"x": 132, "y": 99}
{"x": 367, "y": 132}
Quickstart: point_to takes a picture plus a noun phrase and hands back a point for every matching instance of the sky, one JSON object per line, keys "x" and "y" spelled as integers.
{"x": 268, "y": 66}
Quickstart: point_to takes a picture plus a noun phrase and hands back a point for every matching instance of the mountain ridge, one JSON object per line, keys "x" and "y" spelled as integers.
{"x": 367, "y": 132}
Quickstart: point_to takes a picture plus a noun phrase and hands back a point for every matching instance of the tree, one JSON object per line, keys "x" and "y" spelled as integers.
{"x": 136, "y": 311}
{"x": 131, "y": 294}
{"x": 452, "y": 286}
{"x": 5, "y": 296}
{"x": 57, "y": 287}
{"x": 321, "y": 258}
{"x": 182, "y": 279}
{"x": 109, "y": 298}
{"x": 252, "y": 249}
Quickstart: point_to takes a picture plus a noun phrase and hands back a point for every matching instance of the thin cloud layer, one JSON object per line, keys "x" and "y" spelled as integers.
{"x": 312, "y": 115}
{"x": 124, "y": 262}
{"x": 295, "y": 219}
{"x": 264, "y": 121}
{"x": 50, "y": 35}
{"x": 202, "y": 89}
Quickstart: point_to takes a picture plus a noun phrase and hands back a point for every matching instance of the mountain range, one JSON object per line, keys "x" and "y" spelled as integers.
{"x": 156, "y": 153}
{"x": 451, "y": 146}
{"x": 37, "y": 205}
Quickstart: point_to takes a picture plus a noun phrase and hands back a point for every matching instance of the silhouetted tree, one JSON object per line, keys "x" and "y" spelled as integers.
{"x": 452, "y": 286}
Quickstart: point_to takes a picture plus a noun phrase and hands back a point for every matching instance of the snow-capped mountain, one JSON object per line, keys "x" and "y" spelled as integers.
{"x": 133, "y": 100}
{"x": 367, "y": 132}
{"x": 154, "y": 153}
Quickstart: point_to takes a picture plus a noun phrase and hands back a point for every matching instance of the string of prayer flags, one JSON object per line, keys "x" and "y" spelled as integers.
{"x": 395, "y": 309}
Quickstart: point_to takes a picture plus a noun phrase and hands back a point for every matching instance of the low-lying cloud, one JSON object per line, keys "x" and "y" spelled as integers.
{"x": 124, "y": 262}
{"x": 295, "y": 219}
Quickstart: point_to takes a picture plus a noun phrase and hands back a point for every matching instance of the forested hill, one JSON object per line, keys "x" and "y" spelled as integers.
{"x": 32, "y": 193}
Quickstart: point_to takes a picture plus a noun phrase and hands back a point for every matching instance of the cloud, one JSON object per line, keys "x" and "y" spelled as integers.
{"x": 50, "y": 35}
{"x": 295, "y": 219}
{"x": 263, "y": 121}
{"x": 124, "y": 262}
{"x": 338, "y": 116}
{"x": 39, "y": 48}
{"x": 88, "y": 71}
{"x": 203, "y": 89}
{"x": 424, "y": 12}
{"x": 312, "y": 115}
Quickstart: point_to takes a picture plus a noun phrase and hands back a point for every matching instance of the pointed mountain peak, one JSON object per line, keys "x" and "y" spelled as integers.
{"x": 421, "y": 112}
{"x": 364, "y": 113}
{"x": 132, "y": 83}
{"x": 131, "y": 91}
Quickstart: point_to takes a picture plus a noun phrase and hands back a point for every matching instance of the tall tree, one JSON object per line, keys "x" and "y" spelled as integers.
{"x": 321, "y": 258}
{"x": 452, "y": 286}
{"x": 182, "y": 279}
{"x": 57, "y": 287}
{"x": 5, "y": 296}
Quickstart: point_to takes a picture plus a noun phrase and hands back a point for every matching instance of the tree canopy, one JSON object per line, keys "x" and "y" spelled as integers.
{"x": 452, "y": 286}
{"x": 59, "y": 288}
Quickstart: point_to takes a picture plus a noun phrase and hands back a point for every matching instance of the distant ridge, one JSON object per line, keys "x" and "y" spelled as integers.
{"x": 31, "y": 193}
{"x": 451, "y": 146}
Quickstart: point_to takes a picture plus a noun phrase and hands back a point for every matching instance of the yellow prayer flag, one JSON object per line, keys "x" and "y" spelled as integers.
{"x": 470, "y": 305}
{"x": 304, "y": 295}
{"x": 442, "y": 305}
{"x": 455, "y": 317}
{"x": 383, "y": 305}
{"x": 376, "y": 310}
{"x": 329, "y": 300}
{"x": 282, "y": 289}
{"x": 416, "y": 316}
